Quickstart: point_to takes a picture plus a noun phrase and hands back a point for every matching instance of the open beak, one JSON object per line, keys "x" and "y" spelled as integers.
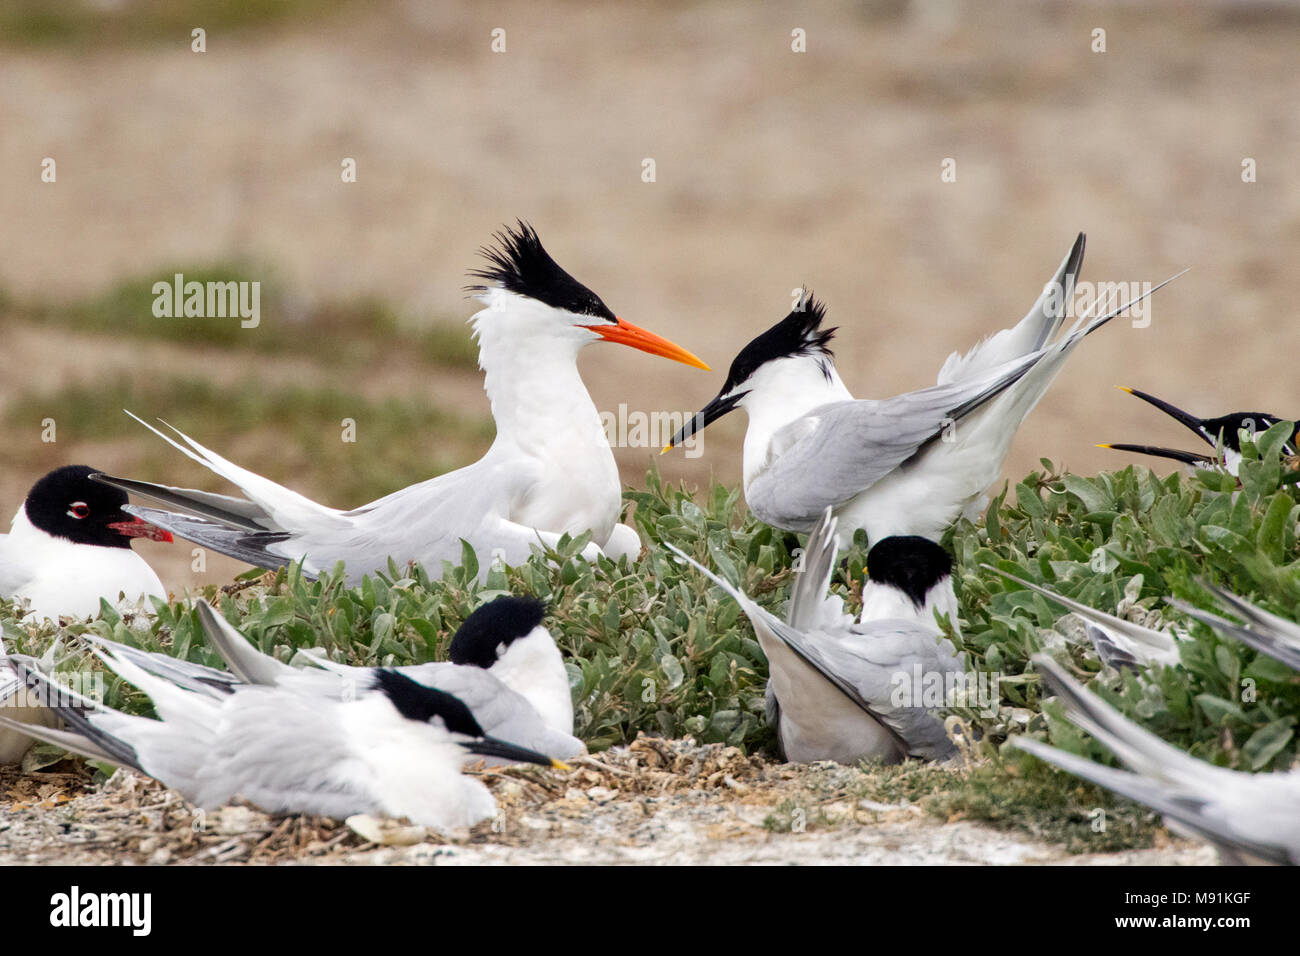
{"x": 625, "y": 333}
{"x": 703, "y": 418}
{"x": 491, "y": 747}
{"x": 139, "y": 528}
{"x": 1174, "y": 412}
{"x": 1187, "y": 457}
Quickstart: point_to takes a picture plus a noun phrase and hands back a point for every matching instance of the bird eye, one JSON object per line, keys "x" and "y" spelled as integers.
{"x": 79, "y": 510}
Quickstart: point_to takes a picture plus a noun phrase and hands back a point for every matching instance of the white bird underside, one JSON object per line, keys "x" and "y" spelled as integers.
{"x": 1249, "y": 817}
{"x": 835, "y": 680}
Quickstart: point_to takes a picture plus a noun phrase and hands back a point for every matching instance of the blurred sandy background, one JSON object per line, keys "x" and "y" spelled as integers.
{"x": 773, "y": 169}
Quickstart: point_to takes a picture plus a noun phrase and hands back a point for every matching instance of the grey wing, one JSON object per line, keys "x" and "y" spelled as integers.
{"x": 193, "y": 677}
{"x": 1195, "y": 812}
{"x": 250, "y": 547}
{"x": 1265, "y": 632}
{"x": 1118, "y": 642}
{"x": 837, "y": 451}
{"x": 426, "y": 523}
{"x": 812, "y": 605}
{"x": 873, "y": 664}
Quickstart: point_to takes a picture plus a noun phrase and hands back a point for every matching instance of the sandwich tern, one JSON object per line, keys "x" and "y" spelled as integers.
{"x": 504, "y": 666}
{"x": 1225, "y": 429}
{"x": 394, "y": 751}
{"x": 907, "y": 465}
{"x": 833, "y": 691}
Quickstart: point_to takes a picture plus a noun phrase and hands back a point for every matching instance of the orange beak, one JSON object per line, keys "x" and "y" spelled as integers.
{"x": 625, "y": 333}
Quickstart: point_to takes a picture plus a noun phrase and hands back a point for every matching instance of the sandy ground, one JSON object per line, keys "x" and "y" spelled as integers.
{"x": 655, "y": 802}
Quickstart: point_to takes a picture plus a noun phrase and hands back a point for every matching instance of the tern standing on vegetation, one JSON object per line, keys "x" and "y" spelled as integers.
{"x": 844, "y": 691}
{"x": 549, "y": 472}
{"x": 909, "y": 465}
{"x": 396, "y": 752}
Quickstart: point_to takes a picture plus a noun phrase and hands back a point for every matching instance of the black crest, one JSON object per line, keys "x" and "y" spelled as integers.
{"x": 910, "y": 563}
{"x": 414, "y": 701}
{"x": 67, "y": 504}
{"x": 498, "y": 622}
{"x": 1233, "y": 424}
{"x": 799, "y": 333}
{"x": 520, "y": 264}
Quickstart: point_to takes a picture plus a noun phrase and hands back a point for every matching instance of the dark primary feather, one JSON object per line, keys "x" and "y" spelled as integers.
{"x": 233, "y": 542}
{"x": 520, "y": 264}
{"x": 74, "y": 711}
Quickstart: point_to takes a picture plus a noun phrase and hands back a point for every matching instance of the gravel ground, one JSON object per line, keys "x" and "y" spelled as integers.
{"x": 654, "y": 802}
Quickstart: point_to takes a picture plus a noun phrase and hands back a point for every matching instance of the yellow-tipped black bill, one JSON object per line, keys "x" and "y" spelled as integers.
{"x": 492, "y": 747}
{"x": 703, "y": 418}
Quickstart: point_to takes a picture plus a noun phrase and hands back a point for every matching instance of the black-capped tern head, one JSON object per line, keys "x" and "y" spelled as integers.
{"x": 545, "y": 300}
{"x": 506, "y": 638}
{"x": 1223, "y": 428}
{"x": 429, "y": 705}
{"x": 791, "y": 360}
{"x": 67, "y": 504}
{"x": 908, "y": 576}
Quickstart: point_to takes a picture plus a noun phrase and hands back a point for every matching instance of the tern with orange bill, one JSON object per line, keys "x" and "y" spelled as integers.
{"x": 549, "y": 472}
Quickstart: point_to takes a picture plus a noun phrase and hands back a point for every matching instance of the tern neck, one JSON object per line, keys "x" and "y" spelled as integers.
{"x": 533, "y": 667}
{"x": 882, "y": 601}
{"x": 530, "y": 374}
{"x": 780, "y": 392}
